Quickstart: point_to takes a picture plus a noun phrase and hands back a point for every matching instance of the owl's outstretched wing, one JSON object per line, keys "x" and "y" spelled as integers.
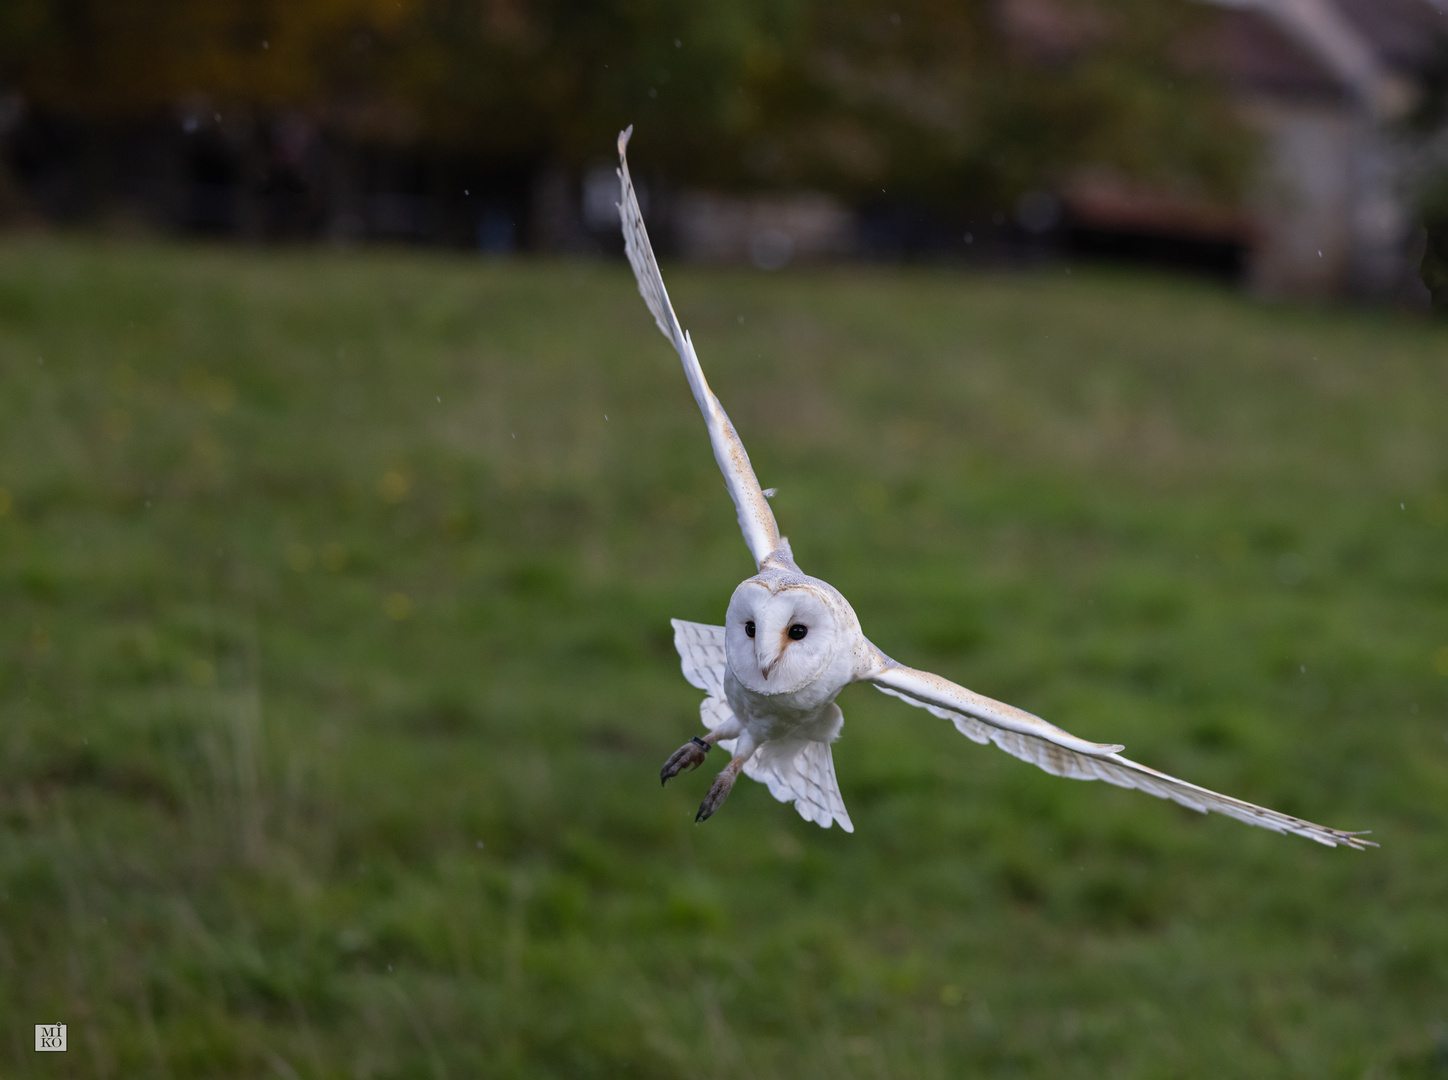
{"x": 701, "y": 654}
{"x": 756, "y": 520}
{"x": 1031, "y": 739}
{"x": 981, "y": 713}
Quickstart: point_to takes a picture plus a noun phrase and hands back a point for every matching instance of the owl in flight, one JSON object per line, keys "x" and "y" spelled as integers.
{"x": 790, "y": 643}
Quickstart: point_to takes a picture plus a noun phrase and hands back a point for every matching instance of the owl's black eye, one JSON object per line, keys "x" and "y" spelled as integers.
{"x": 749, "y": 627}
{"x": 798, "y": 630}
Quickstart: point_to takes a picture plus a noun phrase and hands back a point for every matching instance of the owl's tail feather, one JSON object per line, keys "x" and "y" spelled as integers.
{"x": 801, "y": 771}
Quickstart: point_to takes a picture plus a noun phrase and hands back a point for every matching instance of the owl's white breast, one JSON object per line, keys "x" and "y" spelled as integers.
{"x": 796, "y": 713}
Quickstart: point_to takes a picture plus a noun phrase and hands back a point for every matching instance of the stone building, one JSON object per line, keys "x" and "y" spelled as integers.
{"x": 1328, "y": 84}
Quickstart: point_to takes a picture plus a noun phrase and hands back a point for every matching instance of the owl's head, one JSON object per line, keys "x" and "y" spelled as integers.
{"x": 780, "y": 637}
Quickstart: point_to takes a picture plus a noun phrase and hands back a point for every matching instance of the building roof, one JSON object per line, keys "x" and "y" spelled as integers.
{"x": 1407, "y": 36}
{"x": 1368, "y": 51}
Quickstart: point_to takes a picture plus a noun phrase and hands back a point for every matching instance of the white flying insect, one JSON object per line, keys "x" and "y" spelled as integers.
{"x": 790, "y": 643}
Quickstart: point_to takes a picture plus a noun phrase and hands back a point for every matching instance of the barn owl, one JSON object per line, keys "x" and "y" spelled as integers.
{"x": 791, "y": 642}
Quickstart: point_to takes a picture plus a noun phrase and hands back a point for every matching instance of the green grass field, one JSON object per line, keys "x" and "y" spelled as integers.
{"x": 337, "y": 673}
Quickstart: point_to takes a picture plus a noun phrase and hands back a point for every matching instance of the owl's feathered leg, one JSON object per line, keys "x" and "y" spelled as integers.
{"x": 687, "y": 758}
{"x": 690, "y": 756}
{"x": 724, "y": 782}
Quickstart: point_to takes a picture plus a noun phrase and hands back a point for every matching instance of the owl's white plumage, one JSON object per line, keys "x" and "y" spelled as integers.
{"x": 791, "y": 643}
{"x": 797, "y": 766}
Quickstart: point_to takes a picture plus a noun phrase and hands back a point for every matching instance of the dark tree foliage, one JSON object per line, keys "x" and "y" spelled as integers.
{"x": 974, "y": 99}
{"x": 1430, "y": 119}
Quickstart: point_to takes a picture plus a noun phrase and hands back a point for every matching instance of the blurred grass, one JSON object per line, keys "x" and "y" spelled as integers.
{"x": 337, "y": 673}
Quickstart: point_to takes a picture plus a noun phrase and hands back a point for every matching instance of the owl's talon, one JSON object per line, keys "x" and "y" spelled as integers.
{"x": 718, "y": 792}
{"x": 686, "y": 758}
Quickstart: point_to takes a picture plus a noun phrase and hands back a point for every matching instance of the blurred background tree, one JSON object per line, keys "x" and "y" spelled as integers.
{"x": 1183, "y": 132}
{"x": 1429, "y": 127}
{"x": 972, "y": 102}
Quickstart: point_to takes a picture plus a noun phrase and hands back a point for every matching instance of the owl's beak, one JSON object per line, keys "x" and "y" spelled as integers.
{"x": 766, "y": 666}
{"x": 768, "y": 648}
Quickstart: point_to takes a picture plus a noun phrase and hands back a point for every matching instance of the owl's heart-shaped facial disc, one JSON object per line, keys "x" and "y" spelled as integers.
{"x": 780, "y": 640}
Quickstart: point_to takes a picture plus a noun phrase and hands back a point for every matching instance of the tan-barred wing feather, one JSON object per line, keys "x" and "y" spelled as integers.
{"x": 756, "y": 520}
{"x": 931, "y": 689}
{"x": 1059, "y": 760}
{"x": 701, "y": 654}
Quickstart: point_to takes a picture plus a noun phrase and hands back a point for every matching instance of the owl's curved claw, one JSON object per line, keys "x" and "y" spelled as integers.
{"x": 720, "y": 788}
{"x": 718, "y": 792}
{"x": 686, "y": 758}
